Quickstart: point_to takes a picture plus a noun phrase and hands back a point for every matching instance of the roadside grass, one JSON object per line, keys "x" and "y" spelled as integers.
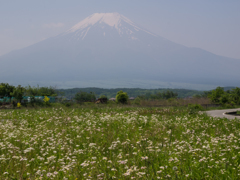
{"x": 120, "y": 142}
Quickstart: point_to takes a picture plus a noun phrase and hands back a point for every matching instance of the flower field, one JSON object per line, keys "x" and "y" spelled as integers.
{"x": 117, "y": 143}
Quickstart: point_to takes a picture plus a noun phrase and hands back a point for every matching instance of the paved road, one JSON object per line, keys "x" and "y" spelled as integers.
{"x": 221, "y": 113}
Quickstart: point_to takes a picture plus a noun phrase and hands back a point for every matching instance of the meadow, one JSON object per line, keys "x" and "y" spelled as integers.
{"x": 117, "y": 143}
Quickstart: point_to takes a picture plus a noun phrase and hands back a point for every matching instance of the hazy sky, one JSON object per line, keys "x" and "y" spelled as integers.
{"x": 213, "y": 25}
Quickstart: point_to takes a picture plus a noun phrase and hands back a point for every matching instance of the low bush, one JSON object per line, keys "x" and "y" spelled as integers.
{"x": 194, "y": 108}
{"x": 67, "y": 104}
{"x": 137, "y": 101}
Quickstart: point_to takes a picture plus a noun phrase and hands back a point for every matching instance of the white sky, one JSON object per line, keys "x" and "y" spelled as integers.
{"x": 211, "y": 25}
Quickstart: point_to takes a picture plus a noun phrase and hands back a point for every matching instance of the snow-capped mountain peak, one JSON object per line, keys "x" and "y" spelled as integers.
{"x": 111, "y": 19}
{"x": 115, "y": 20}
{"x": 107, "y": 49}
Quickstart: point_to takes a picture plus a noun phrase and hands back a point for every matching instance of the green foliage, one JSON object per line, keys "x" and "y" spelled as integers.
{"x": 227, "y": 98}
{"x": 235, "y": 95}
{"x": 110, "y": 103}
{"x": 224, "y": 99}
{"x": 132, "y": 92}
{"x": 216, "y": 95}
{"x": 85, "y": 97}
{"x": 122, "y": 97}
{"x": 6, "y": 90}
{"x": 41, "y": 91}
{"x": 3, "y": 89}
{"x": 36, "y": 102}
{"x": 103, "y": 97}
{"x": 137, "y": 101}
{"x": 32, "y": 91}
{"x": 158, "y": 95}
{"x": 18, "y": 93}
{"x": 68, "y": 104}
{"x": 194, "y": 108}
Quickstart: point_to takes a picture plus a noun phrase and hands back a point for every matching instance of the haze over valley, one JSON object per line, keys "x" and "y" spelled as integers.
{"x": 108, "y": 50}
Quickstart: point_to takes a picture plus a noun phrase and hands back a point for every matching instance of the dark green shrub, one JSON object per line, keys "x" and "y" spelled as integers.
{"x": 122, "y": 97}
{"x": 39, "y": 102}
{"x": 137, "y": 101}
{"x": 102, "y": 99}
{"x": 194, "y": 108}
{"x": 227, "y": 105}
{"x": 67, "y": 104}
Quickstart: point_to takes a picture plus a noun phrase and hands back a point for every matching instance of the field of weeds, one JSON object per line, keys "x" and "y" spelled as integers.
{"x": 117, "y": 143}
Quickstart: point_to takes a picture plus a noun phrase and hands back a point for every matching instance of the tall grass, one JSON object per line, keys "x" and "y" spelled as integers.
{"x": 117, "y": 143}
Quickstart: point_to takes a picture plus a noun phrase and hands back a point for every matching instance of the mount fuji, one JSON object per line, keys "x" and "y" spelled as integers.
{"x": 109, "y": 50}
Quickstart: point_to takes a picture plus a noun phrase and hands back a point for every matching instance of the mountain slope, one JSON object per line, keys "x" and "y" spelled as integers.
{"x": 108, "y": 46}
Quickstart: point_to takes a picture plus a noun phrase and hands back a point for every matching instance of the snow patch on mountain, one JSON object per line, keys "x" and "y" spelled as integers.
{"x": 111, "y": 19}
{"x": 115, "y": 20}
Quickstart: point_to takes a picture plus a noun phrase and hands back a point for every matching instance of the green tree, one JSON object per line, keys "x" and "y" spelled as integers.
{"x": 216, "y": 94}
{"x": 41, "y": 91}
{"x": 137, "y": 101}
{"x": 225, "y": 98}
{"x": 18, "y": 93}
{"x": 122, "y": 97}
{"x": 31, "y": 91}
{"x": 47, "y": 91}
{"x": 169, "y": 94}
{"x": 102, "y": 96}
{"x": 235, "y": 95}
{"x": 85, "y": 97}
{"x": 3, "y": 90}
{"x": 6, "y": 90}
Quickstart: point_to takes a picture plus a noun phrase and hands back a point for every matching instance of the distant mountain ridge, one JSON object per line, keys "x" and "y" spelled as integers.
{"x": 110, "y": 48}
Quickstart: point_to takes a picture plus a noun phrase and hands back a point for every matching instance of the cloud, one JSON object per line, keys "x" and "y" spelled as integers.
{"x": 53, "y": 25}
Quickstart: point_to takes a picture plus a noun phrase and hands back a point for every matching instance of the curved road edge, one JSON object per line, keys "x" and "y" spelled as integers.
{"x": 221, "y": 113}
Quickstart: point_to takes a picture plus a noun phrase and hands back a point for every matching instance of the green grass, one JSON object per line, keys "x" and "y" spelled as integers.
{"x": 238, "y": 112}
{"x": 117, "y": 143}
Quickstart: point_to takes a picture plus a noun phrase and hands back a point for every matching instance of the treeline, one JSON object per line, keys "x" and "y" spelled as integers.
{"x": 132, "y": 92}
{"x": 34, "y": 95}
{"x": 82, "y": 96}
{"x": 164, "y": 95}
{"x": 9, "y": 93}
{"x": 227, "y": 98}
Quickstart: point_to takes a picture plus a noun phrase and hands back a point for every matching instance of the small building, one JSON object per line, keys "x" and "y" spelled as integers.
{"x": 112, "y": 99}
{"x": 131, "y": 98}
